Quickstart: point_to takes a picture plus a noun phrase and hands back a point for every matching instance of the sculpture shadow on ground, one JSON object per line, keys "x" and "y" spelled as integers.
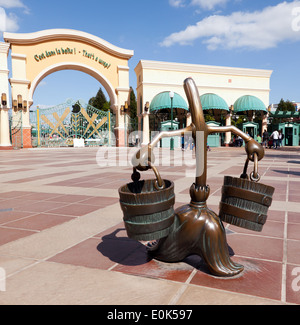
{"x": 128, "y": 252}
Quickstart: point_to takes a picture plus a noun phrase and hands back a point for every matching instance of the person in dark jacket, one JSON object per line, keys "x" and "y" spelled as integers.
{"x": 265, "y": 138}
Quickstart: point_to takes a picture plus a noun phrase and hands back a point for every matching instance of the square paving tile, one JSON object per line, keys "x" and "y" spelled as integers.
{"x": 293, "y": 231}
{"x": 9, "y": 235}
{"x": 294, "y": 187}
{"x": 40, "y": 196}
{"x": 294, "y": 217}
{"x": 13, "y": 194}
{"x": 39, "y": 222}
{"x": 38, "y": 206}
{"x": 17, "y": 202}
{"x": 9, "y": 216}
{"x": 260, "y": 278}
{"x": 294, "y": 198}
{"x": 293, "y": 251}
{"x": 75, "y": 210}
{"x": 68, "y": 198}
{"x": 270, "y": 229}
{"x": 256, "y": 246}
{"x": 100, "y": 201}
{"x": 274, "y": 215}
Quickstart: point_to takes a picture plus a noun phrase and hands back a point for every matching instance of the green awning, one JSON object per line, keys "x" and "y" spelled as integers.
{"x": 249, "y": 103}
{"x": 163, "y": 101}
{"x": 285, "y": 114}
{"x": 213, "y": 101}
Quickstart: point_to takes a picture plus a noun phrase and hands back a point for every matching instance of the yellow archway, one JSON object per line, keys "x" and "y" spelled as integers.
{"x": 36, "y": 55}
{"x": 79, "y": 67}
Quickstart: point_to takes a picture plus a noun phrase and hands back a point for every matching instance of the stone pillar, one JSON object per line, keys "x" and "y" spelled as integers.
{"x": 146, "y": 130}
{"x": 228, "y": 134}
{"x": 19, "y": 87}
{"x": 123, "y": 93}
{"x": 264, "y": 124}
{"x": 120, "y": 128}
{"x": 5, "y": 143}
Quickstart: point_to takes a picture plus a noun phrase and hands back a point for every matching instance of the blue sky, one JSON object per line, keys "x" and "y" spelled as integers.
{"x": 237, "y": 33}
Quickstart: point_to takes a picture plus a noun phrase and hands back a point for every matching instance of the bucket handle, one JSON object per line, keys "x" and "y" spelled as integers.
{"x": 159, "y": 183}
{"x": 254, "y": 176}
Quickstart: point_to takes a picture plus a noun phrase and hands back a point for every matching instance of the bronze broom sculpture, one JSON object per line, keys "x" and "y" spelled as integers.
{"x": 194, "y": 228}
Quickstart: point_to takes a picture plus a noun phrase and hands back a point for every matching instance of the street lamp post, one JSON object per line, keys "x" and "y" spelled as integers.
{"x": 172, "y": 139}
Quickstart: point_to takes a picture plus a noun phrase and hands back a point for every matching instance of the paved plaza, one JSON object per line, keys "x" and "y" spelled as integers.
{"x": 62, "y": 236}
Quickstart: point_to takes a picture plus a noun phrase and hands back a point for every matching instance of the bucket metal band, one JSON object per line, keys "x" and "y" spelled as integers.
{"x": 246, "y": 195}
{"x": 143, "y": 209}
{"x": 149, "y": 236}
{"x": 242, "y": 213}
{"x": 148, "y": 228}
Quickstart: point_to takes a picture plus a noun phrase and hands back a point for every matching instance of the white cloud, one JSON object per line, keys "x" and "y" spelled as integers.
{"x": 204, "y": 4}
{"x": 8, "y": 23}
{"x": 8, "y": 4}
{"x": 12, "y": 4}
{"x": 2, "y": 20}
{"x": 177, "y": 3}
{"x": 208, "y": 4}
{"x": 255, "y": 30}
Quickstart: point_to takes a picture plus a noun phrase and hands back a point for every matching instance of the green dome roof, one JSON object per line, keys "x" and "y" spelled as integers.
{"x": 213, "y": 101}
{"x": 249, "y": 103}
{"x": 163, "y": 100}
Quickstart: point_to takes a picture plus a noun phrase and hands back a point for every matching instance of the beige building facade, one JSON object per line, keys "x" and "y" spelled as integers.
{"x": 34, "y": 56}
{"x": 229, "y": 83}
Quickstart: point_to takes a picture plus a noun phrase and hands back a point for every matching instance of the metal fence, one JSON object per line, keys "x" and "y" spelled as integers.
{"x": 60, "y": 125}
{"x": 16, "y": 129}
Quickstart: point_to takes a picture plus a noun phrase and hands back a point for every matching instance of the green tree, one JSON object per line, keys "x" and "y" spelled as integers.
{"x": 100, "y": 102}
{"x": 209, "y": 115}
{"x": 282, "y": 107}
{"x": 133, "y": 104}
{"x": 285, "y": 106}
{"x": 290, "y": 106}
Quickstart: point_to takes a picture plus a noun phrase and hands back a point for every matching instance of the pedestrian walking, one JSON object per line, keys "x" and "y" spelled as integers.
{"x": 265, "y": 138}
{"x": 280, "y": 138}
{"x": 275, "y": 137}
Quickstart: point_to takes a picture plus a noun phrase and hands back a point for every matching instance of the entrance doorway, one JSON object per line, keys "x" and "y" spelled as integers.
{"x": 288, "y": 136}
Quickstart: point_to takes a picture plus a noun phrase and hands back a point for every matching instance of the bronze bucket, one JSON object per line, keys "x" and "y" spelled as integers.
{"x": 244, "y": 202}
{"x": 148, "y": 209}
